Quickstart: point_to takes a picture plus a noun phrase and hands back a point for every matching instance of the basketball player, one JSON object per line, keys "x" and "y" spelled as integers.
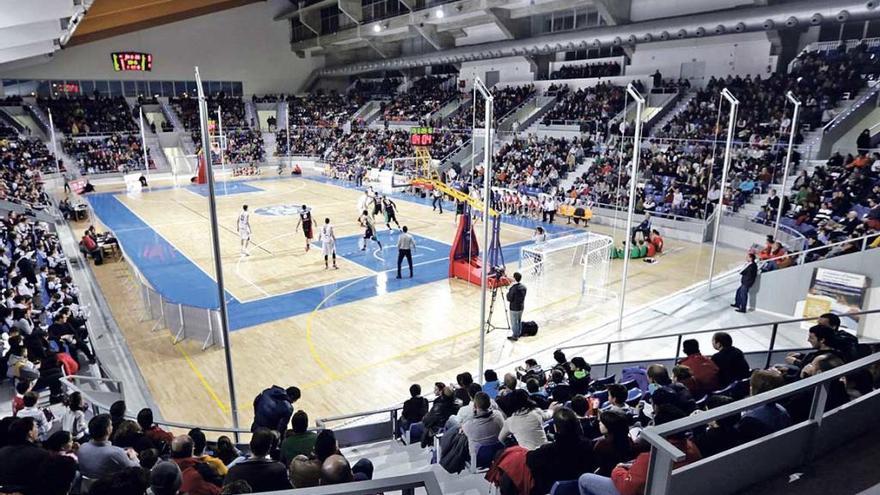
{"x": 364, "y": 201}
{"x": 305, "y": 218}
{"x": 244, "y": 229}
{"x": 390, "y": 210}
{"x": 366, "y": 221}
{"x": 328, "y": 243}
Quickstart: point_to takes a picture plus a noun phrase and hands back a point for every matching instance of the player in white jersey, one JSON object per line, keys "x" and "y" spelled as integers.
{"x": 328, "y": 243}
{"x": 244, "y": 229}
{"x": 366, "y": 221}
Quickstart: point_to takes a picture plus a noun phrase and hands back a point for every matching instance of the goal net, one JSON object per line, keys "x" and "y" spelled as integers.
{"x": 567, "y": 274}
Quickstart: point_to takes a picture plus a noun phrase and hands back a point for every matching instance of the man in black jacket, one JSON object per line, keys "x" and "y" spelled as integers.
{"x": 516, "y": 296}
{"x": 21, "y": 457}
{"x": 443, "y": 407}
{"x": 259, "y": 470}
{"x": 731, "y": 362}
{"x": 748, "y": 275}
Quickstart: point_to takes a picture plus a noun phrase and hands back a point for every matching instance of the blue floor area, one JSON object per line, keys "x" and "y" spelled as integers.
{"x": 182, "y": 281}
{"x": 372, "y": 258}
{"x": 224, "y": 189}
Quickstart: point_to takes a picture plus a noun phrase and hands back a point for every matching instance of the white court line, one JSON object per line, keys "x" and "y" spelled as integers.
{"x": 376, "y": 253}
{"x": 252, "y": 284}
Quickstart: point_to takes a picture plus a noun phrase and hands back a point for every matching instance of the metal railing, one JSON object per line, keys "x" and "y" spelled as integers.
{"x": 801, "y": 256}
{"x": 681, "y": 336}
{"x": 182, "y": 320}
{"x": 662, "y": 476}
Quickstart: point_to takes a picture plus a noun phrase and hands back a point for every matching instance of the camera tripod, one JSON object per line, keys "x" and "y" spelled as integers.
{"x": 489, "y": 325}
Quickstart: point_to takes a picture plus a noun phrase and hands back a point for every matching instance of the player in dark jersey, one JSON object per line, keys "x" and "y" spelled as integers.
{"x": 305, "y": 219}
{"x": 390, "y": 210}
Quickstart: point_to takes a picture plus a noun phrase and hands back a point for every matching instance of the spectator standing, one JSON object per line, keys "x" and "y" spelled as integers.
{"x": 748, "y": 275}
{"x": 274, "y": 407}
{"x": 516, "y": 296}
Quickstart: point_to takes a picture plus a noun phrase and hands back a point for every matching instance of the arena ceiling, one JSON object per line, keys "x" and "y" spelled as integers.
{"x": 107, "y": 18}
{"x": 34, "y": 30}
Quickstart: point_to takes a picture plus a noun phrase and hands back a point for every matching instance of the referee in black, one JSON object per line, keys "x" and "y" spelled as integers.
{"x": 405, "y": 246}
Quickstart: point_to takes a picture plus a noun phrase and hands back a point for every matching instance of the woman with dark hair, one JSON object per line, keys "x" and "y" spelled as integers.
{"x": 579, "y": 379}
{"x": 490, "y": 383}
{"x": 526, "y": 424}
{"x": 226, "y": 450}
{"x": 73, "y": 421}
{"x": 566, "y": 458}
{"x": 615, "y": 446}
{"x": 60, "y": 443}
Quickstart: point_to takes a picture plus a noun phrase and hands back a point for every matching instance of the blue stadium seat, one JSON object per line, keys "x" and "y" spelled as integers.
{"x": 630, "y": 384}
{"x": 601, "y": 383}
{"x": 634, "y": 394}
{"x": 415, "y": 433}
{"x": 486, "y": 454}
{"x": 567, "y": 487}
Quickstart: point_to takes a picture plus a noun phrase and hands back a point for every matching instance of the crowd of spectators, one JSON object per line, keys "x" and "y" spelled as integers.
{"x": 21, "y": 163}
{"x": 427, "y": 95}
{"x": 187, "y": 108}
{"x": 64, "y": 448}
{"x": 98, "y": 114}
{"x": 583, "y": 71}
{"x": 835, "y": 203}
{"x": 306, "y": 141}
{"x": 589, "y": 108}
{"x": 818, "y": 79}
{"x": 538, "y": 163}
{"x": 117, "y": 153}
{"x": 506, "y": 99}
{"x": 375, "y": 88}
{"x": 543, "y": 424}
{"x": 322, "y": 109}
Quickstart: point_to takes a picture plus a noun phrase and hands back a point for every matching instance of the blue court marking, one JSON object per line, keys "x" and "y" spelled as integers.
{"x": 379, "y": 261}
{"x": 166, "y": 269}
{"x": 224, "y": 188}
{"x": 180, "y": 280}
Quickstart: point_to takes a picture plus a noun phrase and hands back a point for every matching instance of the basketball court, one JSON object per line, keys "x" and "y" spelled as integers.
{"x": 355, "y": 338}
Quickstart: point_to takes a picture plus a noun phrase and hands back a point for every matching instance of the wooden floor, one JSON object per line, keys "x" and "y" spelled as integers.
{"x": 357, "y": 356}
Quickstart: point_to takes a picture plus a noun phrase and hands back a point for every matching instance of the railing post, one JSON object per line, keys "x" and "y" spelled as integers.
{"x": 607, "y": 357}
{"x": 772, "y": 344}
{"x": 817, "y": 411}
{"x": 678, "y": 348}
{"x": 659, "y": 472}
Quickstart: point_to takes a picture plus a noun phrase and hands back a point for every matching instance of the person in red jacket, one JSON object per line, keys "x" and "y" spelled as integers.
{"x": 631, "y": 479}
{"x": 703, "y": 369}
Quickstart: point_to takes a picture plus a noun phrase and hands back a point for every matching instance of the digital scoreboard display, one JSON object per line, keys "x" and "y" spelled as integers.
{"x": 421, "y": 136}
{"x": 132, "y": 61}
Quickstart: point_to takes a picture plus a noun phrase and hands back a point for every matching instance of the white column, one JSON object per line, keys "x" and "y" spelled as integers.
{"x": 794, "y": 123}
{"x": 633, "y": 179}
{"x": 144, "y": 143}
{"x": 54, "y": 143}
{"x": 487, "y": 181}
{"x": 719, "y": 208}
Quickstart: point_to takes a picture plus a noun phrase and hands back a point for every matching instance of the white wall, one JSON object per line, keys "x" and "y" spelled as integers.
{"x": 241, "y": 44}
{"x": 509, "y": 69}
{"x": 727, "y": 55}
{"x": 643, "y": 10}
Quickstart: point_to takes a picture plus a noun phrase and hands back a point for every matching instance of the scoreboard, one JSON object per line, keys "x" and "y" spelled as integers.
{"x": 421, "y": 136}
{"x": 132, "y": 61}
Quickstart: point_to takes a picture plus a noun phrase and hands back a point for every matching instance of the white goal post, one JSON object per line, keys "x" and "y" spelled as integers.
{"x": 560, "y": 261}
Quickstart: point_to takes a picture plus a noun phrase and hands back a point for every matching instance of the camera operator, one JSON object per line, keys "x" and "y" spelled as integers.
{"x": 516, "y": 296}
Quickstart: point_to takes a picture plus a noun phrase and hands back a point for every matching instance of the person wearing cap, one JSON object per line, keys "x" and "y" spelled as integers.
{"x": 165, "y": 479}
